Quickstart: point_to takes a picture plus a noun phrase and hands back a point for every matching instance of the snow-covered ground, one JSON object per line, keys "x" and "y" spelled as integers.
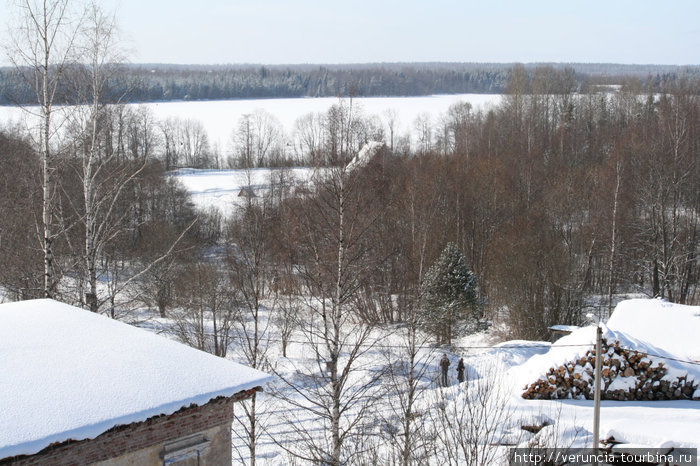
{"x": 221, "y": 189}
{"x": 228, "y": 190}
{"x": 500, "y": 371}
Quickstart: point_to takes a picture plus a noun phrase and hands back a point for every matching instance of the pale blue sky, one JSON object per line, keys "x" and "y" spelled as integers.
{"x": 328, "y": 31}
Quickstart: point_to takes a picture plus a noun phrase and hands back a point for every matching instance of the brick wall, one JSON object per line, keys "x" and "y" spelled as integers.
{"x": 122, "y": 440}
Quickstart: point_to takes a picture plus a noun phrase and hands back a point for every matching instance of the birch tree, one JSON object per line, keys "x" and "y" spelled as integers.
{"x": 248, "y": 262}
{"x": 334, "y": 246}
{"x": 407, "y": 374}
{"x": 41, "y": 48}
{"x": 103, "y": 180}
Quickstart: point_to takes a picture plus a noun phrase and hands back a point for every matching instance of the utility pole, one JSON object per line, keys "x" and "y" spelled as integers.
{"x": 596, "y": 393}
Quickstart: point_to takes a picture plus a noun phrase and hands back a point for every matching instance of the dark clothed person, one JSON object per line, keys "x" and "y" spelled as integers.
{"x": 460, "y": 370}
{"x": 444, "y": 365}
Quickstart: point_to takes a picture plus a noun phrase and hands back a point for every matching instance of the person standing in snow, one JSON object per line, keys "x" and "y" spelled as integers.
{"x": 444, "y": 365}
{"x": 460, "y": 370}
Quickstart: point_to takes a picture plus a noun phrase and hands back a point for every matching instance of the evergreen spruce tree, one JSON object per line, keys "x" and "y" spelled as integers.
{"x": 450, "y": 297}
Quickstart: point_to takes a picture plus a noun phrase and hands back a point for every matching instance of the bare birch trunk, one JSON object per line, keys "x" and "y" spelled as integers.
{"x": 613, "y": 236}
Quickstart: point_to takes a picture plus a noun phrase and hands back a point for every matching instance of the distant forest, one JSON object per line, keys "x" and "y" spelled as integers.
{"x": 163, "y": 82}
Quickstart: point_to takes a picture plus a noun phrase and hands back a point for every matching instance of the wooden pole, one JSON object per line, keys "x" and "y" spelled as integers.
{"x": 596, "y": 395}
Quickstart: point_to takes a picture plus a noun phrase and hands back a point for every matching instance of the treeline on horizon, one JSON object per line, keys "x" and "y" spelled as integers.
{"x": 165, "y": 82}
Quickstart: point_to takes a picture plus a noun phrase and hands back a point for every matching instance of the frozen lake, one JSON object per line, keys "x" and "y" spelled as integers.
{"x": 220, "y": 117}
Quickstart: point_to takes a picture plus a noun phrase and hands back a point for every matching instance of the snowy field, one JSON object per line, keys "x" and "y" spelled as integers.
{"x": 229, "y": 190}
{"x": 220, "y": 117}
{"x": 497, "y": 372}
{"x": 508, "y": 366}
{"x": 221, "y": 189}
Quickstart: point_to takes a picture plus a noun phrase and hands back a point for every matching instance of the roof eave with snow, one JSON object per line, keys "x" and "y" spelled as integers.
{"x": 69, "y": 374}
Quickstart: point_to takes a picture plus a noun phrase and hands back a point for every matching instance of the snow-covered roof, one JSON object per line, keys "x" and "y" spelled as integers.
{"x": 673, "y": 327}
{"x": 365, "y": 155}
{"x": 564, "y": 328}
{"x": 66, "y": 373}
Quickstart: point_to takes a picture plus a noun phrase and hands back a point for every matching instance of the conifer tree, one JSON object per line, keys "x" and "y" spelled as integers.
{"x": 450, "y": 296}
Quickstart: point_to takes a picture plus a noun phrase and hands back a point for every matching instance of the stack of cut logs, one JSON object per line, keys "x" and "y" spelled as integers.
{"x": 626, "y": 375}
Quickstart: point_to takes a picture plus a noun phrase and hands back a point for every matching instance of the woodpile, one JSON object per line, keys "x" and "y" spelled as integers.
{"x": 626, "y": 375}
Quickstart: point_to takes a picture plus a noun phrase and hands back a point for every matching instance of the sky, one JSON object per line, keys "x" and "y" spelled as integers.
{"x": 368, "y": 31}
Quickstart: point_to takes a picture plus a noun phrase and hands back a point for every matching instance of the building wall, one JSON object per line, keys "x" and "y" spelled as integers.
{"x": 218, "y": 452}
{"x": 143, "y": 443}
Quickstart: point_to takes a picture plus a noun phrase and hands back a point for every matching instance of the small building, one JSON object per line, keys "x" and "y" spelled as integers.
{"x": 558, "y": 331}
{"x": 247, "y": 191}
{"x": 79, "y": 388}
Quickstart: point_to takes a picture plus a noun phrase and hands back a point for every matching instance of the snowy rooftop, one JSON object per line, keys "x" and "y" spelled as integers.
{"x": 66, "y": 373}
{"x": 673, "y": 327}
{"x": 564, "y": 328}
